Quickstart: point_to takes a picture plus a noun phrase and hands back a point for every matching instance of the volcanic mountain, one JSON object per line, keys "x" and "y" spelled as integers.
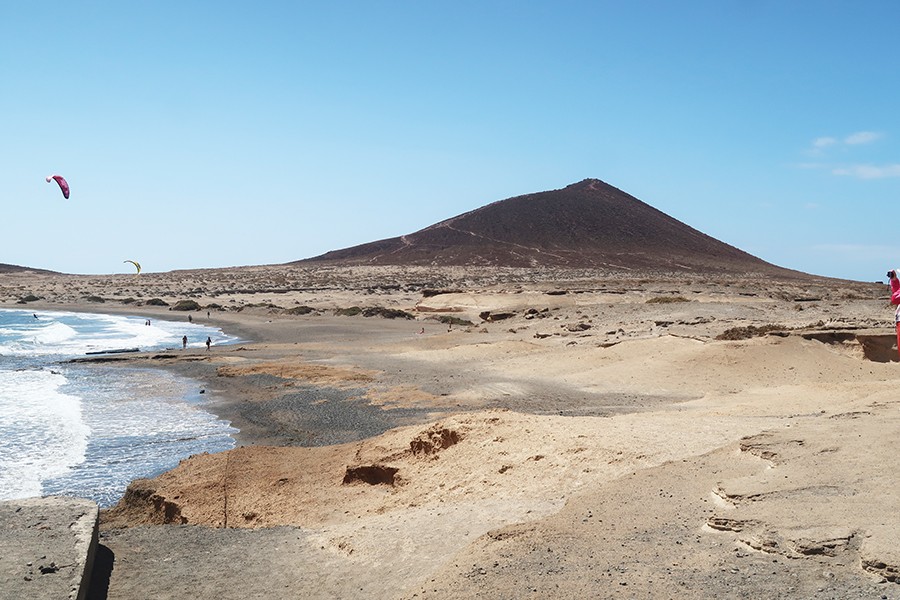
{"x": 589, "y": 224}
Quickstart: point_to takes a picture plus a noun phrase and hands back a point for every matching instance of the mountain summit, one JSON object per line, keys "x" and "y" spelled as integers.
{"x": 589, "y": 224}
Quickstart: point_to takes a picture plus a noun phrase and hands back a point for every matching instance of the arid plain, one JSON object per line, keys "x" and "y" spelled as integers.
{"x": 514, "y": 433}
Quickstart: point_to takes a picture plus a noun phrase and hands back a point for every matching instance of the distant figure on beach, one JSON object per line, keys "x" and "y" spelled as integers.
{"x": 208, "y": 342}
{"x": 207, "y": 314}
{"x": 184, "y": 343}
{"x": 190, "y": 320}
{"x": 148, "y": 322}
{"x": 423, "y": 330}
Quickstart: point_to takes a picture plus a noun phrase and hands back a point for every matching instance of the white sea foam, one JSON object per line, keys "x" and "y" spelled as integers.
{"x": 43, "y": 433}
{"x": 76, "y": 333}
{"x": 142, "y": 421}
{"x": 53, "y": 334}
{"x": 87, "y": 431}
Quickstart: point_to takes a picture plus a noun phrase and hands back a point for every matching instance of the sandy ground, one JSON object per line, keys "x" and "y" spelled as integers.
{"x": 584, "y": 436}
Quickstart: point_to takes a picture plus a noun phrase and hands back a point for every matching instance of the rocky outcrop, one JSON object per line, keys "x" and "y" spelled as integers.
{"x": 433, "y": 440}
{"x": 142, "y": 504}
{"x": 816, "y": 495}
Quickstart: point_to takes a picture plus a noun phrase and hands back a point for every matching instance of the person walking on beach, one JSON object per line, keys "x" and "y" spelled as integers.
{"x": 184, "y": 343}
{"x": 208, "y": 342}
{"x": 190, "y": 320}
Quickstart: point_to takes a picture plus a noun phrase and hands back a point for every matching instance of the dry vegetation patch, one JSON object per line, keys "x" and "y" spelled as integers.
{"x": 292, "y": 369}
{"x": 748, "y": 331}
{"x": 667, "y": 299}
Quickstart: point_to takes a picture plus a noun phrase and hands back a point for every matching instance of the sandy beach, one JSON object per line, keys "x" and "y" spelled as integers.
{"x": 514, "y": 433}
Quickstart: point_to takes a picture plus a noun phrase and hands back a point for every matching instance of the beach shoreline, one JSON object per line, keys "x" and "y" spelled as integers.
{"x": 74, "y": 427}
{"x": 262, "y": 337}
{"x": 190, "y": 363}
{"x": 529, "y": 430}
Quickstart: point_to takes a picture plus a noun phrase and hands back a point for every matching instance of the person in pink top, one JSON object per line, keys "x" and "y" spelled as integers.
{"x": 895, "y": 300}
{"x": 895, "y": 288}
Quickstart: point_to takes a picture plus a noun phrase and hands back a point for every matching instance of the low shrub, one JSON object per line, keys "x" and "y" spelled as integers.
{"x": 747, "y": 332}
{"x": 448, "y": 320}
{"x": 667, "y": 299}
{"x": 185, "y": 305}
{"x": 387, "y": 313}
{"x": 156, "y": 302}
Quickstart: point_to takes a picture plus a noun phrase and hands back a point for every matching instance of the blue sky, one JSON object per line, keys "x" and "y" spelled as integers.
{"x": 212, "y": 134}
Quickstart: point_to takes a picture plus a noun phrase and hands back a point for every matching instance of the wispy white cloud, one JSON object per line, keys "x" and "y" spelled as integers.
{"x": 862, "y": 137}
{"x": 869, "y": 171}
{"x": 824, "y": 146}
{"x": 819, "y": 145}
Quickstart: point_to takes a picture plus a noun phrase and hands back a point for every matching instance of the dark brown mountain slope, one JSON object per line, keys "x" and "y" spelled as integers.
{"x": 589, "y": 224}
{"x": 5, "y": 268}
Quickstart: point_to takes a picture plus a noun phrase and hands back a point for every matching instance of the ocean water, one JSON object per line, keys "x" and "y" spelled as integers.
{"x": 75, "y": 430}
